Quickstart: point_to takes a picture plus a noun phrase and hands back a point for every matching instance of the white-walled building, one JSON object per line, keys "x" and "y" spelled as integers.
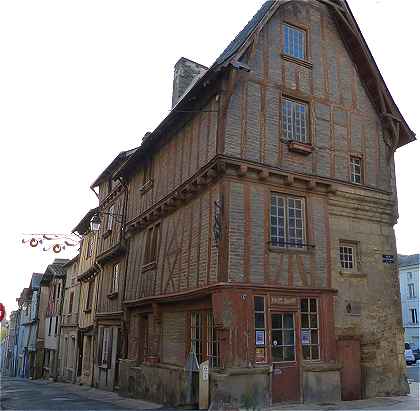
{"x": 409, "y": 266}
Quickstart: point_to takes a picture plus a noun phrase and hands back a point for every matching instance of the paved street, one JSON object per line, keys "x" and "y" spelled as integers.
{"x": 413, "y": 372}
{"x": 23, "y": 394}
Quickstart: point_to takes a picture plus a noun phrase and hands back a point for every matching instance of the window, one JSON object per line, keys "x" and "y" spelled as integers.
{"x": 147, "y": 176}
{"x": 110, "y": 218}
{"x": 89, "y": 296}
{"x": 105, "y": 347}
{"x": 347, "y": 257}
{"x": 283, "y": 337}
{"x": 203, "y": 337}
{"x": 294, "y": 42}
{"x": 287, "y": 221}
{"x": 213, "y": 348}
{"x": 260, "y": 330}
{"x": 71, "y": 298}
{"x": 410, "y": 276}
{"x": 413, "y": 315}
{"x": 58, "y": 291}
{"x": 56, "y": 326}
{"x": 411, "y": 291}
{"x": 115, "y": 276}
{"x": 152, "y": 244}
{"x": 50, "y": 326}
{"x": 356, "y": 170}
{"x": 89, "y": 249}
{"x": 310, "y": 328}
{"x": 295, "y": 120}
{"x": 197, "y": 335}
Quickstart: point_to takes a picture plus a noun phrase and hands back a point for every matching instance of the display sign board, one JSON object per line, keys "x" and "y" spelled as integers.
{"x": 259, "y": 337}
{"x": 306, "y": 337}
{"x": 388, "y": 259}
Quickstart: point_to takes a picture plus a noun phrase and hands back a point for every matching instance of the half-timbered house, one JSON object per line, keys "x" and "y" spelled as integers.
{"x": 69, "y": 341}
{"x": 87, "y": 276}
{"x": 52, "y": 289}
{"x": 111, "y": 264}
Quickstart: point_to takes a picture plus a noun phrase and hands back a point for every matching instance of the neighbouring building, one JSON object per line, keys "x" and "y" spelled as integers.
{"x": 52, "y": 295}
{"x": 258, "y": 217}
{"x": 87, "y": 276}
{"x": 10, "y": 359}
{"x": 409, "y": 286}
{"x": 29, "y": 350}
{"x": 69, "y": 335}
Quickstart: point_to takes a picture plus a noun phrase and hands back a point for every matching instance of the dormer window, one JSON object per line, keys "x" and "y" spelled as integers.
{"x": 294, "y": 42}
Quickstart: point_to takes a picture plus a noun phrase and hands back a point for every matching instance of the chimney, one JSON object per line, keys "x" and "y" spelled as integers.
{"x": 186, "y": 73}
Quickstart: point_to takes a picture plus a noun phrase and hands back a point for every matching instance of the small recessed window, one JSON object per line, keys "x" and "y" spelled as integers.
{"x": 294, "y": 42}
{"x": 115, "y": 278}
{"x": 347, "y": 257}
{"x": 295, "y": 120}
{"x": 356, "y": 169}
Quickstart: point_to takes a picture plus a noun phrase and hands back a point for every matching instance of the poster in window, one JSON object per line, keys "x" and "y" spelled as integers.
{"x": 259, "y": 337}
{"x": 306, "y": 337}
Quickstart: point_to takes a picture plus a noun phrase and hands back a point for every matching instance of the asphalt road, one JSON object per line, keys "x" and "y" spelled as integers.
{"x": 23, "y": 394}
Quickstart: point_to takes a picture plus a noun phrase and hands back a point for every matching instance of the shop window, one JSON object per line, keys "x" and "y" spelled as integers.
{"x": 283, "y": 345}
{"x": 260, "y": 330}
{"x": 213, "y": 348}
{"x": 309, "y": 328}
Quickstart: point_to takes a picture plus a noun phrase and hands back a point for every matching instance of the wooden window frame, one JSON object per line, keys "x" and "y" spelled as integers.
{"x": 71, "y": 298}
{"x": 286, "y": 246}
{"x": 305, "y": 146}
{"x": 89, "y": 296}
{"x": 115, "y": 278}
{"x": 110, "y": 218}
{"x": 305, "y": 48}
{"x": 152, "y": 244}
{"x": 352, "y": 173}
{"x": 89, "y": 247}
{"x": 283, "y": 329}
{"x": 309, "y": 313}
{"x": 355, "y": 256}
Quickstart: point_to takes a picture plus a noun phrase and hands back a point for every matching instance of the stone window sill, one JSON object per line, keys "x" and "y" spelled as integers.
{"x": 148, "y": 267}
{"x": 113, "y": 295}
{"x": 352, "y": 274}
{"x": 300, "y": 148}
{"x": 304, "y": 63}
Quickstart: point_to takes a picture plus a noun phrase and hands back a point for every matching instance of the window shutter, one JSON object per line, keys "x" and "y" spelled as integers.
{"x": 109, "y": 353}
{"x": 100, "y": 345}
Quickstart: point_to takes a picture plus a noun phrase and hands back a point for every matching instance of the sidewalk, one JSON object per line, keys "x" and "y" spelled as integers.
{"x": 90, "y": 393}
{"x": 409, "y": 402}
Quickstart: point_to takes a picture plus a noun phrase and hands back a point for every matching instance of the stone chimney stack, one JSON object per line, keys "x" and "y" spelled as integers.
{"x": 186, "y": 73}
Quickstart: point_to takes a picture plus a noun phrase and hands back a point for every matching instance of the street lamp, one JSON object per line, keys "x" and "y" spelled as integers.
{"x": 95, "y": 222}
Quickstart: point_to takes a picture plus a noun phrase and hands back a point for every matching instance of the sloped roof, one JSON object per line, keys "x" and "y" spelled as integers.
{"x": 110, "y": 169}
{"x": 408, "y": 260}
{"x": 83, "y": 225}
{"x": 56, "y": 269}
{"x": 358, "y": 46}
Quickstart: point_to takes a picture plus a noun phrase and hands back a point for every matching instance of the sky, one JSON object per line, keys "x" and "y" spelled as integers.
{"x": 82, "y": 80}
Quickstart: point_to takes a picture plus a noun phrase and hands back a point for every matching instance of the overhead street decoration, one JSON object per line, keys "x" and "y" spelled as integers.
{"x": 2, "y": 312}
{"x": 51, "y": 242}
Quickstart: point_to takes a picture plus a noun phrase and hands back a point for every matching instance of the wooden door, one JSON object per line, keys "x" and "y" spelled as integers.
{"x": 285, "y": 383}
{"x": 351, "y": 375}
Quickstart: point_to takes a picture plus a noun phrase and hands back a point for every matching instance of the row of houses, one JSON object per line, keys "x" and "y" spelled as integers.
{"x": 252, "y": 229}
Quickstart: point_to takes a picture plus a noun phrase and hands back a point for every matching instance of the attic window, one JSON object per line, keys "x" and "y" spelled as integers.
{"x": 294, "y": 42}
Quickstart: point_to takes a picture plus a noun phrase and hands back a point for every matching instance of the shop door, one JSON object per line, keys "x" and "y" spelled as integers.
{"x": 285, "y": 384}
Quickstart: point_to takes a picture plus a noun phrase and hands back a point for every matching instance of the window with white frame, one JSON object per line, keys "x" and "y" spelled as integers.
{"x": 287, "y": 221}
{"x": 356, "y": 167}
{"x": 295, "y": 120}
{"x": 115, "y": 278}
{"x": 410, "y": 276}
{"x": 413, "y": 315}
{"x": 294, "y": 41}
{"x": 411, "y": 291}
{"x": 348, "y": 257}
